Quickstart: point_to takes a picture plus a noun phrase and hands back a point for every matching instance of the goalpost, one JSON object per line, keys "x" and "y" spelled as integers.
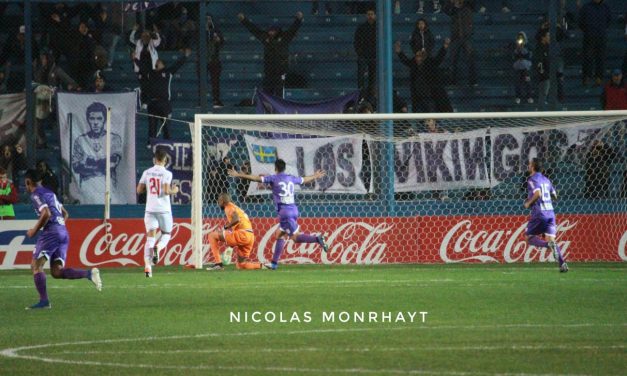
{"x": 418, "y": 188}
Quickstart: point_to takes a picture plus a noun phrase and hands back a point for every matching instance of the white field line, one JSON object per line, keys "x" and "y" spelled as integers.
{"x": 354, "y": 350}
{"x": 340, "y": 283}
{"x": 15, "y": 352}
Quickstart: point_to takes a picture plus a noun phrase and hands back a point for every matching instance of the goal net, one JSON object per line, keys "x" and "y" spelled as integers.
{"x": 412, "y": 188}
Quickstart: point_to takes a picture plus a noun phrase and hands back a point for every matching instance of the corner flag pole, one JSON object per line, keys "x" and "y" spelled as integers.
{"x": 107, "y": 198}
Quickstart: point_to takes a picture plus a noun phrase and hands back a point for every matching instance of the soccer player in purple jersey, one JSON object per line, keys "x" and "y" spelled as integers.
{"x": 53, "y": 240}
{"x": 283, "y": 195}
{"x": 542, "y": 221}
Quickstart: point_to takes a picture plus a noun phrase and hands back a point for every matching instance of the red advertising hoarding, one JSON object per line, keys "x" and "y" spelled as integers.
{"x": 353, "y": 240}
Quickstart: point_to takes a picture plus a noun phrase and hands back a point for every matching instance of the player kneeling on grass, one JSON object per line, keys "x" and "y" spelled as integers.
{"x": 158, "y": 208}
{"x": 237, "y": 233}
{"x": 53, "y": 240}
{"x": 542, "y": 221}
{"x": 283, "y": 188}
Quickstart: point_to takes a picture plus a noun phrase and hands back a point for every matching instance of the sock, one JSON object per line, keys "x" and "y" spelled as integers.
{"x": 215, "y": 249}
{"x": 538, "y": 242}
{"x": 69, "y": 273}
{"x": 163, "y": 241}
{"x": 278, "y": 249}
{"x": 40, "y": 285}
{"x": 306, "y": 238}
{"x": 560, "y": 259}
{"x": 150, "y": 244}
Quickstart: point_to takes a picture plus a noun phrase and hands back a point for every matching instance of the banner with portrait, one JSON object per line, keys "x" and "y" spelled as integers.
{"x": 82, "y": 122}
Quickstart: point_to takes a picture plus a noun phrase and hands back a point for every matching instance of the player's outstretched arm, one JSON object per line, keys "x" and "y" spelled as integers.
{"x": 317, "y": 175}
{"x": 237, "y": 174}
{"x": 534, "y": 198}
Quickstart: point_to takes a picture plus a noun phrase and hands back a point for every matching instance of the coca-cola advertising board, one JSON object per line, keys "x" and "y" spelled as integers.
{"x": 353, "y": 240}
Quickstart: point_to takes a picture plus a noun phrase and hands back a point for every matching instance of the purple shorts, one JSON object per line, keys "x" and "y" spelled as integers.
{"x": 288, "y": 218}
{"x": 52, "y": 244}
{"x": 539, "y": 226}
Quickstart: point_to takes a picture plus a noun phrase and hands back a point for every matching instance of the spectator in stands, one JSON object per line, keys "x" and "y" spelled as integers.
{"x": 522, "y": 67}
{"x": 315, "y": 6}
{"x": 614, "y": 96}
{"x": 422, "y": 38}
{"x": 61, "y": 35}
{"x": 594, "y": 20}
{"x": 146, "y": 54}
{"x": 49, "y": 77}
{"x": 145, "y": 58}
{"x": 597, "y": 164}
{"x": 431, "y": 126}
{"x": 427, "y": 91}
{"x": 8, "y": 196}
{"x": 215, "y": 42}
{"x": 100, "y": 83}
{"x": 83, "y": 67}
{"x": 104, "y": 32}
{"x": 461, "y": 14}
{"x": 185, "y": 30}
{"x": 158, "y": 94}
{"x": 12, "y": 58}
{"x": 47, "y": 72}
{"x": 365, "y": 43}
{"x": 542, "y": 69}
{"x": 48, "y": 178}
{"x": 276, "y": 43}
{"x": 13, "y": 160}
{"x": 437, "y": 8}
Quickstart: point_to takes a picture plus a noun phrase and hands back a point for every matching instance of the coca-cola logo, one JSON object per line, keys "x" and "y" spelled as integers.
{"x": 462, "y": 244}
{"x": 106, "y": 246}
{"x": 622, "y": 247}
{"x": 350, "y": 243}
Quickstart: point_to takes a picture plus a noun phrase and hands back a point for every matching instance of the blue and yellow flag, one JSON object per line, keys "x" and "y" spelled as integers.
{"x": 264, "y": 154}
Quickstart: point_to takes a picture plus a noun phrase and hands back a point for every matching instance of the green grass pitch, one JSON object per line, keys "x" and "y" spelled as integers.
{"x": 482, "y": 319}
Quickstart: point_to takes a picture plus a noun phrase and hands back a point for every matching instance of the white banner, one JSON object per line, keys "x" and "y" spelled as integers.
{"x": 340, "y": 157}
{"x": 12, "y": 117}
{"x": 440, "y": 161}
{"x": 512, "y": 148}
{"x": 82, "y": 120}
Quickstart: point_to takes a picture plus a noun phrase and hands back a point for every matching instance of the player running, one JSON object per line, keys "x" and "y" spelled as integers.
{"x": 283, "y": 194}
{"x": 158, "y": 214}
{"x": 542, "y": 221}
{"x": 237, "y": 233}
{"x": 52, "y": 242}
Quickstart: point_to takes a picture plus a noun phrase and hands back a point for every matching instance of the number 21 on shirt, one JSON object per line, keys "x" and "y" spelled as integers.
{"x": 154, "y": 186}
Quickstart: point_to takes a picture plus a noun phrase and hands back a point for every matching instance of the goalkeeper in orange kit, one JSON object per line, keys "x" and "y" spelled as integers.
{"x": 237, "y": 233}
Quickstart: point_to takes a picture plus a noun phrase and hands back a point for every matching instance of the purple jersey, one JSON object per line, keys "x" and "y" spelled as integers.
{"x": 41, "y": 198}
{"x": 283, "y": 189}
{"x": 543, "y": 207}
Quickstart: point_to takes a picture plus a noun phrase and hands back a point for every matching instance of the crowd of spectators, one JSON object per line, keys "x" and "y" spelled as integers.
{"x": 75, "y": 49}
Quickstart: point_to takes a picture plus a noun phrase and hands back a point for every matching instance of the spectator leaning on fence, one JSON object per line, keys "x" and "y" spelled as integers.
{"x": 614, "y": 96}
{"x": 594, "y": 19}
{"x": 13, "y": 160}
{"x": 276, "y": 43}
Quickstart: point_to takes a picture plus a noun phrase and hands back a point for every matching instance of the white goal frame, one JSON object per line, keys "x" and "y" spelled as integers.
{"x": 196, "y": 207}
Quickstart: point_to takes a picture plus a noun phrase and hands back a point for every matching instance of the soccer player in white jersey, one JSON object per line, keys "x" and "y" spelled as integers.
{"x": 157, "y": 183}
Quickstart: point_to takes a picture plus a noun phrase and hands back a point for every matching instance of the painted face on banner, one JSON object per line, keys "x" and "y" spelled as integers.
{"x": 96, "y": 121}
